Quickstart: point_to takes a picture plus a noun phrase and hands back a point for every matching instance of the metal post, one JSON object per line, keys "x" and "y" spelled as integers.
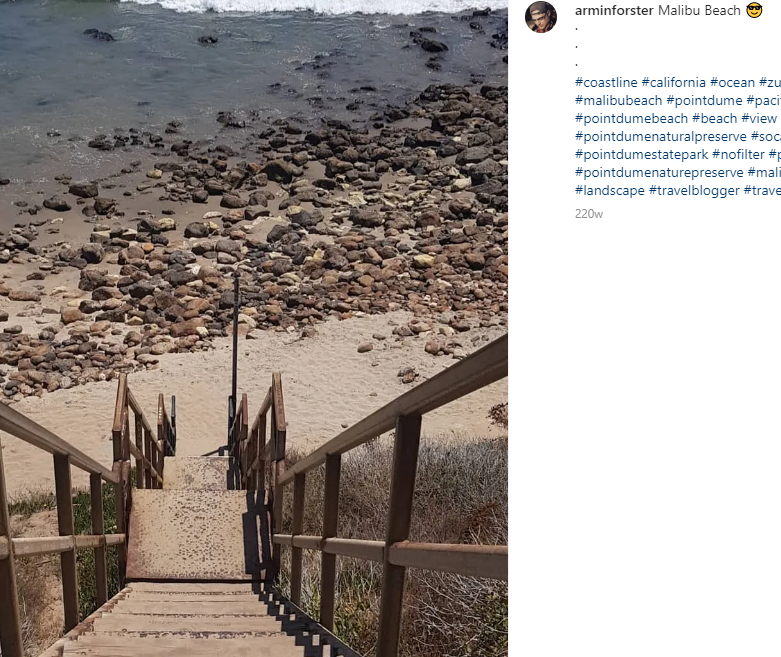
{"x": 172, "y": 442}
{"x": 235, "y": 337}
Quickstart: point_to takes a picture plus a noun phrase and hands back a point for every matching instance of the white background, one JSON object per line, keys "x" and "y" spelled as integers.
{"x": 645, "y": 364}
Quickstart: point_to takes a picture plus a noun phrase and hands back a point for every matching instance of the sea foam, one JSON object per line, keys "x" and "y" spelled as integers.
{"x": 397, "y": 7}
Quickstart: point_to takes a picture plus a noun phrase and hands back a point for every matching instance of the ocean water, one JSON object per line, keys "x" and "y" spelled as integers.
{"x": 300, "y": 59}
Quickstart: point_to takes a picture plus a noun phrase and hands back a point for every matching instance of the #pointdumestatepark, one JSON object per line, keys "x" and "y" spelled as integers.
{"x": 664, "y": 10}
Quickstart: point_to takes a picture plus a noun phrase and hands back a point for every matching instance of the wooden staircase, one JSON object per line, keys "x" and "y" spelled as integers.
{"x": 198, "y": 544}
{"x": 195, "y": 573}
{"x": 176, "y": 619}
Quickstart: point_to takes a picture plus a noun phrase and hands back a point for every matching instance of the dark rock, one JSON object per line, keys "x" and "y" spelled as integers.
{"x": 228, "y": 246}
{"x": 277, "y": 232}
{"x": 474, "y": 154}
{"x": 91, "y": 279}
{"x": 100, "y": 36}
{"x": 200, "y": 196}
{"x": 141, "y": 289}
{"x": 366, "y": 217}
{"x": 180, "y": 277}
{"x": 196, "y": 229}
{"x": 304, "y": 219}
{"x": 57, "y": 203}
{"x": 149, "y": 225}
{"x": 93, "y": 253}
{"x": 229, "y": 120}
{"x": 429, "y": 45}
{"x": 208, "y": 40}
{"x": 181, "y": 258}
{"x": 84, "y": 189}
{"x": 325, "y": 183}
{"x": 281, "y": 171}
{"x": 260, "y": 198}
{"x": 104, "y": 206}
{"x": 232, "y": 201}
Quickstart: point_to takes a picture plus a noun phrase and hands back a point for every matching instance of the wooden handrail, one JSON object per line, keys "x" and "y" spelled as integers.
{"x": 120, "y": 404}
{"x": 68, "y": 542}
{"x": 263, "y": 409}
{"x": 22, "y": 427}
{"x": 136, "y": 408}
{"x": 138, "y": 454}
{"x": 29, "y": 547}
{"x": 488, "y": 561}
{"x": 278, "y": 402}
{"x": 483, "y": 367}
{"x": 396, "y": 552}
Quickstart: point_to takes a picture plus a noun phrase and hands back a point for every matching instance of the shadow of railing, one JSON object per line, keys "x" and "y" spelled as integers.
{"x": 258, "y": 555}
{"x": 296, "y": 623}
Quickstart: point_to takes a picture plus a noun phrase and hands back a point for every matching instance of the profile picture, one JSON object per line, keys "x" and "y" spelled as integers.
{"x": 541, "y": 17}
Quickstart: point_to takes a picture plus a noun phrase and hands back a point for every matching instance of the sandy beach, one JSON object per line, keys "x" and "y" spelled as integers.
{"x": 327, "y": 385}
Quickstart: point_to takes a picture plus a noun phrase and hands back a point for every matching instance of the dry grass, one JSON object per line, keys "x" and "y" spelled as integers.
{"x": 38, "y": 578}
{"x": 460, "y": 497}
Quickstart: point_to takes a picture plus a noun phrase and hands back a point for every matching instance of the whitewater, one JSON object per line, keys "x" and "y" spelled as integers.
{"x": 328, "y": 7}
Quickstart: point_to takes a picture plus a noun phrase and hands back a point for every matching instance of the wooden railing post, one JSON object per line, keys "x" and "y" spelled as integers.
{"x": 262, "y": 452}
{"x": 278, "y": 497}
{"x": 70, "y": 587}
{"x": 141, "y": 468}
{"x": 119, "y": 409}
{"x": 98, "y": 527}
{"x": 405, "y": 464}
{"x": 252, "y": 452}
{"x": 146, "y": 473}
{"x": 154, "y": 455}
{"x": 299, "y": 492}
{"x": 333, "y": 469}
{"x": 10, "y": 626}
{"x": 119, "y": 505}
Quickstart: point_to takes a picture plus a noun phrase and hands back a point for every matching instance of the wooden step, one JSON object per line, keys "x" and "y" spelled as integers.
{"x": 189, "y": 607}
{"x": 196, "y": 473}
{"x": 194, "y": 535}
{"x": 192, "y": 587}
{"x": 192, "y": 597}
{"x": 133, "y": 646}
{"x": 117, "y": 622}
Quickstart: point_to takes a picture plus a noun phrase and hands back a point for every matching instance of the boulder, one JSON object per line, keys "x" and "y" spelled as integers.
{"x": 196, "y": 229}
{"x": 189, "y": 327}
{"x": 57, "y": 203}
{"x": 281, "y": 171}
{"x": 104, "y": 205}
{"x": 84, "y": 189}
{"x": 70, "y": 315}
{"x": 232, "y": 201}
{"x": 93, "y": 253}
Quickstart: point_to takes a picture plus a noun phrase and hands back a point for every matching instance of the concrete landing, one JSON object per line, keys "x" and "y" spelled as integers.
{"x": 196, "y": 472}
{"x": 194, "y": 535}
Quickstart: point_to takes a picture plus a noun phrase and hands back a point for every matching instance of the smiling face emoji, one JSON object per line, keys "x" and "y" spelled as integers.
{"x": 754, "y": 10}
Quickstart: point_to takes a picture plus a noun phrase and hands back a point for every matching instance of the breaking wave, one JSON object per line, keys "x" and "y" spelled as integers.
{"x": 397, "y": 7}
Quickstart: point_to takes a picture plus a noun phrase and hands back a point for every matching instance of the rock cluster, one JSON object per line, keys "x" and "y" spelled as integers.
{"x": 400, "y": 218}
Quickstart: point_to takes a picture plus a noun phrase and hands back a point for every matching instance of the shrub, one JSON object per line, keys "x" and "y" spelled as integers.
{"x": 460, "y": 497}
